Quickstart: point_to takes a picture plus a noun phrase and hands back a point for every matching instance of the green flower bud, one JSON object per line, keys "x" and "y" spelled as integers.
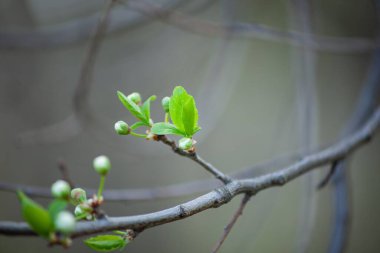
{"x": 165, "y": 103}
{"x": 135, "y": 97}
{"x": 102, "y": 165}
{"x": 122, "y": 128}
{"x": 65, "y": 222}
{"x": 78, "y": 195}
{"x": 185, "y": 143}
{"x": 79, "y": 211}
{"x": 60, "y": 189}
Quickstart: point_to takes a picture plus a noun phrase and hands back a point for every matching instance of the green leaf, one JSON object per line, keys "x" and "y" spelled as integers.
{"x": 162, "y": 128}
{"x": 36, "y": 216}
{"x": 146, "y": 107}
{"x": 137, "y": 125}
{"x": 56, "y": 207}
{"x": 132, "y": 107}
{"x": 183, "y": 111}
{"x": 190, "y": 116}
{"x": 106, "y": 243}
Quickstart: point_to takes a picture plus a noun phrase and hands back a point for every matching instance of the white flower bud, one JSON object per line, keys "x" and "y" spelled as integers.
{"x": 122, "y": 128}
{"x": 60, "y": 189}
{"x": 64, "y": 222}
{"x": 102, "y": 165}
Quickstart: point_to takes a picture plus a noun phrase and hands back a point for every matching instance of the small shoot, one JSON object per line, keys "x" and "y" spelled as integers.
{"x": 142, "y": 112}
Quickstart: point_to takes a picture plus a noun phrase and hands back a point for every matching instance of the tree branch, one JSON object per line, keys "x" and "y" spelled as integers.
{"x": 232, "y": 222}
{"x": 196, "y": 158}
{"x": 175, "y": 190}
{"x": 221, "y": 195}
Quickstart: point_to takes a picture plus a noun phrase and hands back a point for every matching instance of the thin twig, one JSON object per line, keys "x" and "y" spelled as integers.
{"x": 328, "y": 176}
{"x": 196, "y": 158}
{"x": 219, "y": 196}
{"x": 232, "y": 222}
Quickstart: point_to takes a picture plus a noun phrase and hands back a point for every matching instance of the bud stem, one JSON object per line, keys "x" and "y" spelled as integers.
{"x": 166, "y": 117}
{"x": 138, "y": 135}
{"x": 101, "y": 185}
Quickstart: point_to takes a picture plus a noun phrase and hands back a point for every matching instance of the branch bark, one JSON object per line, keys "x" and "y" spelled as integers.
{"x": 221, "y": 195}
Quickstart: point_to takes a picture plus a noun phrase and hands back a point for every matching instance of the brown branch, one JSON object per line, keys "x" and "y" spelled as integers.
{"x": 221, "y": 195}
{"x": 232, "y": 222}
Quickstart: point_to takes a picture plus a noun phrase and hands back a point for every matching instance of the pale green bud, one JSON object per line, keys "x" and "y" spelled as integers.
{"x": 78, "y": 195}
{"x": 135, "y": 97}
{"x": 165, "y": 103}
{"x": 122, "y": 128}
{"x": 60, "y": 189}
{"x": 102, "y": 165}
{"x": 185, "y": 143}
{"x": 79, "y": 211}
{"x": 65, "y": 222}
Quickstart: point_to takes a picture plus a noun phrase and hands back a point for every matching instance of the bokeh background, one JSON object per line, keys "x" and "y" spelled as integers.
{"x": 272, "y": 78}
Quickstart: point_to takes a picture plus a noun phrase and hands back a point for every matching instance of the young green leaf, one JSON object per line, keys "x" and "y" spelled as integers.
{"x": 132, "y": 107}
{"x": 166, "y": 128}
{"x": 183, "y": 111}
{"x": 190, "y": 116}
{"x": 146, "y": 107}
{"x": 36, "y": 216}
{"x": 56, "y": 207}
{"x": 106, "y": 243}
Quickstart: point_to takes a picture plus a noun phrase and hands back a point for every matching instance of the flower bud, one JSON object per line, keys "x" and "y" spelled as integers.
{"x": 65, "y": 222}
{"x": 78, "y": 195}
{"x": 122, "y": 128}
{"x": 60, "y": 189}
{"x": 185, "y": 143}
{"x": 79, "y": 211}
{"x": 102, "y": 165}
{"x": 135, "y": 97}
{"x": 165, "y": 104}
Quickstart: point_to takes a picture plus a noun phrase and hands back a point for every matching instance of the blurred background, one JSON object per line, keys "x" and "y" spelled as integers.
{"x": 273, "y": 80}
